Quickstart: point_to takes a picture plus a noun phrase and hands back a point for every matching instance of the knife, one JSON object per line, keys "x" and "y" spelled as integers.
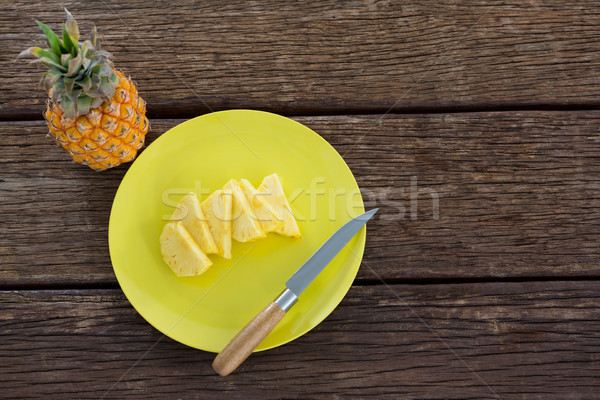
{"x": 244, "y": 343}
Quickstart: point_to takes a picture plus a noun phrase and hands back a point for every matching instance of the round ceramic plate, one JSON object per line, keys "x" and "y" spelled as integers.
{"x": 201, "y": 155}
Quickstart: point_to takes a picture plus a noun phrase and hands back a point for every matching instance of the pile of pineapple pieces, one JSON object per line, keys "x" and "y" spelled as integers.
{"x": 238, "y": 211}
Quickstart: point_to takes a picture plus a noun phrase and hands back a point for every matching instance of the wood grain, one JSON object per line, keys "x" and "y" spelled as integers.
{"x": 519, "y": 196}
{"x": 523, "y": 340}
{"x": 325, "y": 57}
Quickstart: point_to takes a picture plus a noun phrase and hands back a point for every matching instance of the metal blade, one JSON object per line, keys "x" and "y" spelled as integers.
{"x": 319, "y": 260}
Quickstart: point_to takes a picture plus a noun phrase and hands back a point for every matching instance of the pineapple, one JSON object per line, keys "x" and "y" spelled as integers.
{"x": 181, "y": 252}
{"x": 217, "y": 210}
{"x": 273, "y": 193}
{"x": 245, "y": 226}
{"x": 268, "y": 218}
{"x": 189, "y": 213}
{"x": 94, "y": 112}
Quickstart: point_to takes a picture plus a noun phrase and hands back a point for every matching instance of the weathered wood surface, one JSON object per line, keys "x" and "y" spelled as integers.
{"x": 523, "y": 340}
{"x": 519, "y": 196}
{"x": 320, "y": 56}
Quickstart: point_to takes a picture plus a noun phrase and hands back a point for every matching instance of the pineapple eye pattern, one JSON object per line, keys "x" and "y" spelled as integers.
{"x": 90, "y": 103}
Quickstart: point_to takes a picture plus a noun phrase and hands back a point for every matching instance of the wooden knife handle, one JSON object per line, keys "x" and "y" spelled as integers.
{"x": 242, "y": 345}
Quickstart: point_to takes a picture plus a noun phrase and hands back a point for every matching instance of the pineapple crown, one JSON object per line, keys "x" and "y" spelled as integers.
{"x": 80, "y": 76}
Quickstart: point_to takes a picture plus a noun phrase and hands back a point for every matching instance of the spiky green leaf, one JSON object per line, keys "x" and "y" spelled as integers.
{"x": 68, "y": 106}
{"x": 74, "y": 66}
{"x": 57, "y": 90}
{"x": 85, "y": 83}
{"x": 80, "y": 75}
{"x": 70, "y": 46}
{"x": 49, "y": 79}
{"x": 51, "y": 64}
{"x": 103, "y": 53}
{"x": 64, "y": 60}
{"x": 53, "y": 40}
{"x": 71, "y": 25}
{"x": 30, "y": 51}
{"x": 83, "y": 104}
{"x": 40, "y": 53}
{"x": 94, "y": 36}
{"x": 102, "y": 69}
{"x": 96, "y": 102}
{"x": 69, "y": 84}
{"x": 84, "y": 48}
{"x": 105, "y": 86}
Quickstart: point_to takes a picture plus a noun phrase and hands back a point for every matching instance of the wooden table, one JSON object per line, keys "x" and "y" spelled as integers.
{"x": 492, "y": 105}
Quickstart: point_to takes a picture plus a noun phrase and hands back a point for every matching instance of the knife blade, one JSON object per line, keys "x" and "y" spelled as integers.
{"x": 320, "y": 259}
{"x": 242, "y": 345}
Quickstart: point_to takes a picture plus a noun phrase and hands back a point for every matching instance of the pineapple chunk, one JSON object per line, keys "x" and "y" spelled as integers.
{"x": 245, "y": 226}
{"x": 268, "y": 218}
{"x": 181, "y": 252}
{"x": 217, "y": 210}
{"x": 189, "y": 213}
{"x": 273, "y": 194}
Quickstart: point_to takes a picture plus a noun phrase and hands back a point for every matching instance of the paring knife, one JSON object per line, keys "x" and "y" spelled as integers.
{"x": 242, "y": 345}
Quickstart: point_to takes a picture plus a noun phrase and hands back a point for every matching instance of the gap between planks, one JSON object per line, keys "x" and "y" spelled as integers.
{"x": 50, "y": 286}
{"x": 319, "y": 111}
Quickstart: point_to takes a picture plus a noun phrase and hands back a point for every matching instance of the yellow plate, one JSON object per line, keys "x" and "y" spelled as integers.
{"x": 201, "y": 155}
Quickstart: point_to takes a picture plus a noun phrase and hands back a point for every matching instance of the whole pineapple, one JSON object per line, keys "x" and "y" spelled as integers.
{"x": 94, "y": 111}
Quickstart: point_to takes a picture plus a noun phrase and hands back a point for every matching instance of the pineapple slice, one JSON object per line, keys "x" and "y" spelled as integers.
{"x": 189, "y": 213}
{"x": 217, "y": 210}
{"x": 273, "y": 194}
{"x": 245, "y": 226}
{"x": 268, "y": 218}
{"x": 181, "y": 252}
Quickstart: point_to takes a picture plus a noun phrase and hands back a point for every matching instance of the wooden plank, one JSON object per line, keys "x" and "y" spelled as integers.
{"x": 323, "y": 57}
{"x": 519, "y": 196}
{"x": 523, "y": 340}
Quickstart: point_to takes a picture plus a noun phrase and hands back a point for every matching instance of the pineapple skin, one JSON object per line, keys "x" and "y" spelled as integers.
{"x": 108, "y": 135}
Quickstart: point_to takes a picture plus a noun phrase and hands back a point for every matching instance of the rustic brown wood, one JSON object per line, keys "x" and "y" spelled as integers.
{"x": 463, "y": 196}
{"x": 248, "y": 339}
{"x": 320, "y": 56}
{"x": 524, "y": 340}
{"x": 519, "y": 196}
